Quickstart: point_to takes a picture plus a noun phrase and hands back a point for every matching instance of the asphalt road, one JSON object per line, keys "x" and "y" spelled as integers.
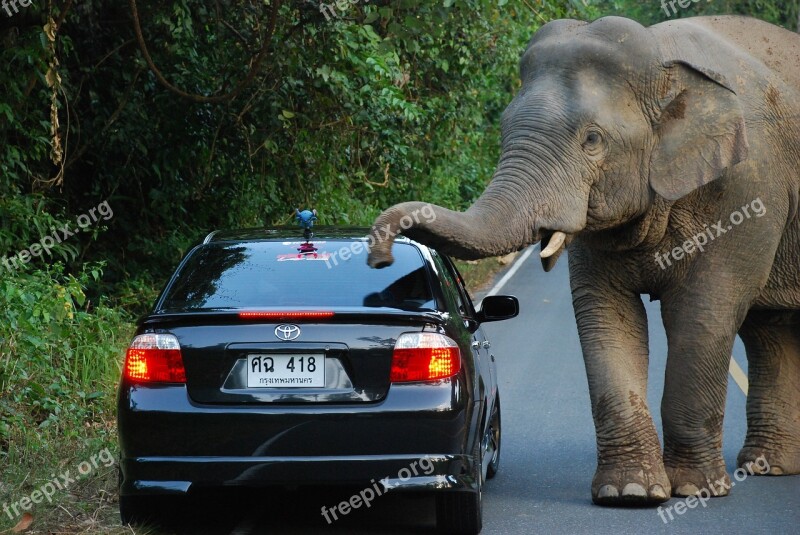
{"x": 548, "y": 450}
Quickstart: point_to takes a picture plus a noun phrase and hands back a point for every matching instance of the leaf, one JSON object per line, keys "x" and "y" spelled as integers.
{"x": 50, "y": 31}
{"x": 79, "y": 297}
{"x": 24, "y": 523}
{"x": 325, "y": 72}
{"x": 5, "y": 109}
{"x": 52, "y": 78}
{"x": 37, "y": 388}
{"x": 287, "y": 114}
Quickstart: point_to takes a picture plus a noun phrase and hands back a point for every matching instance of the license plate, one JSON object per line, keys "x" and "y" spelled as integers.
{"x": 286, "y": 371}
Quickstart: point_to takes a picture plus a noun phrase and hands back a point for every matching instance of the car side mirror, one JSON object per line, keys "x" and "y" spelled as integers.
{"x": 498, "y": 308}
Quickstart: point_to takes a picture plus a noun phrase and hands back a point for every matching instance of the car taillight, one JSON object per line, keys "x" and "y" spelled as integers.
{"x": 424, "y": 357}
{"x": 287, "y": 315}
{"x": 155, "y": 358}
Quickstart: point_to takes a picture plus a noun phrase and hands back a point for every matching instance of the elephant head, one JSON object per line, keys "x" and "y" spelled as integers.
{"x": 607, "y": 120}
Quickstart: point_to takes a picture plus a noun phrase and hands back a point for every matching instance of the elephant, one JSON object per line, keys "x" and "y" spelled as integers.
{"x": 634, "y": 148}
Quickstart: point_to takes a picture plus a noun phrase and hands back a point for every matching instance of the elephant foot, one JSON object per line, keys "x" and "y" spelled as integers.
{"x": 630, "y": 485}
{"x": 769, "y": 460}
{"x": 707, "y": 480}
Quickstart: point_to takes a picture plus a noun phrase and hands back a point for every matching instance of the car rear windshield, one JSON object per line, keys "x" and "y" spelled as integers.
{"x": 275, "y": 274}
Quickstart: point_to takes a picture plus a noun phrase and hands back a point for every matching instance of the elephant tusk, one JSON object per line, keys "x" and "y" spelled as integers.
{"x": 556, "y": 241}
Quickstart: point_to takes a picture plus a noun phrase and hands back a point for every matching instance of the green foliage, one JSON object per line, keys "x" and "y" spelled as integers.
{"x": 24, "y": 130}
{"x": 25, "y": 221}
{"x": 384, "y": 102}
{"x": 650, "y": 12}
{"x": 60, "y": 356}
{"x": 353, "y": 109}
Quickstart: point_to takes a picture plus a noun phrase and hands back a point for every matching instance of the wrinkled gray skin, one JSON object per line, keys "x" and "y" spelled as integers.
{"x": 632, "y": 140}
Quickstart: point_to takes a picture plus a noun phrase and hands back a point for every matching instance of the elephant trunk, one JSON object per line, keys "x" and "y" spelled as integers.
{"x": 493, "y": 226}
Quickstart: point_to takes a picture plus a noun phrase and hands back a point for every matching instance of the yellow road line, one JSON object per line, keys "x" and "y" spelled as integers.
{"x": 738, "y": 375}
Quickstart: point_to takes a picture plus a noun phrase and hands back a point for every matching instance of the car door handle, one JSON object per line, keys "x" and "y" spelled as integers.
{"x": 487, "y": 344}
{"x": 476, "y": 344}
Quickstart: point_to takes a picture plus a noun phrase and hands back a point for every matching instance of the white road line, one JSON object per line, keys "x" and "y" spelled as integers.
{"x": 510, "y": 273}
{"x": 738, "y": 375}
{"x": 734, "y": 369}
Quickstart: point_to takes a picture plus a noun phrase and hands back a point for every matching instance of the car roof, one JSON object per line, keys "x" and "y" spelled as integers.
{"x": 284, "y": 233}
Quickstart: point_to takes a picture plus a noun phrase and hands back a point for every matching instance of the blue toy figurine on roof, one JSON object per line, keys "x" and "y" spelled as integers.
{"x": 306, "y": 220}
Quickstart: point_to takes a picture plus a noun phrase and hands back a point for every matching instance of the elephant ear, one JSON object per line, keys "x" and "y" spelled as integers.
{"x": 700, "y": 131}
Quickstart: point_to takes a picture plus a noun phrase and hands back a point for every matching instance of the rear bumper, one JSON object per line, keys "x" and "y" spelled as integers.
{"x": 165, "y": 475}
{"x": 415, "y": 439}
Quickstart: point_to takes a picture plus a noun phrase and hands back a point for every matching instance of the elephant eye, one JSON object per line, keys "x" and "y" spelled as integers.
{"x": 592, "y": 138}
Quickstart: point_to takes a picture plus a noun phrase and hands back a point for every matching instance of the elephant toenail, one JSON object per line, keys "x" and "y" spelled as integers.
{"x": 608, "y": 491}
{"x": 687, "y": 489}
{"x": 657, "y": 492}
{"x": 634, "y": 489}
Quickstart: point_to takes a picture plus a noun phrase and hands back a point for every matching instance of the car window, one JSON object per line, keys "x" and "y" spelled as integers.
{"x": 274, "y": 274}
{"x": 451, "y": 286}
{"x": 464, "y": 294}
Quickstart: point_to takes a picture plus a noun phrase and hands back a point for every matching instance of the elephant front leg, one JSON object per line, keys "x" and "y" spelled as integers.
{"x": 613, "y": 329}
{"x": 700, "y": 337}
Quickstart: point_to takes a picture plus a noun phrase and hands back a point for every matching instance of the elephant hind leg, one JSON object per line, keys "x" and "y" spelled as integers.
{"x": 772, "y": 444}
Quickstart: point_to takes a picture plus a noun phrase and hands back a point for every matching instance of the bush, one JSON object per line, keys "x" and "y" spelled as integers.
{"x": 61, "y": 357}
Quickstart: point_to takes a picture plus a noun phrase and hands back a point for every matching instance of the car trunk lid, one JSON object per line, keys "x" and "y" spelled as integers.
{"x": 234, "y": 359}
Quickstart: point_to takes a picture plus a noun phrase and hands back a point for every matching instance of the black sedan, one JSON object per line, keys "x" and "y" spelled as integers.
{"x": 270, "y": 360}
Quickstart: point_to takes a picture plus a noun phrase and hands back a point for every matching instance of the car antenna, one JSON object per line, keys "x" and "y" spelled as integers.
{"x": 306, "y": 220}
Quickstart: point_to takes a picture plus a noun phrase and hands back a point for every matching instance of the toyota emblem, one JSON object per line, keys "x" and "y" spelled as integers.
{"x": 287, "y": 332}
